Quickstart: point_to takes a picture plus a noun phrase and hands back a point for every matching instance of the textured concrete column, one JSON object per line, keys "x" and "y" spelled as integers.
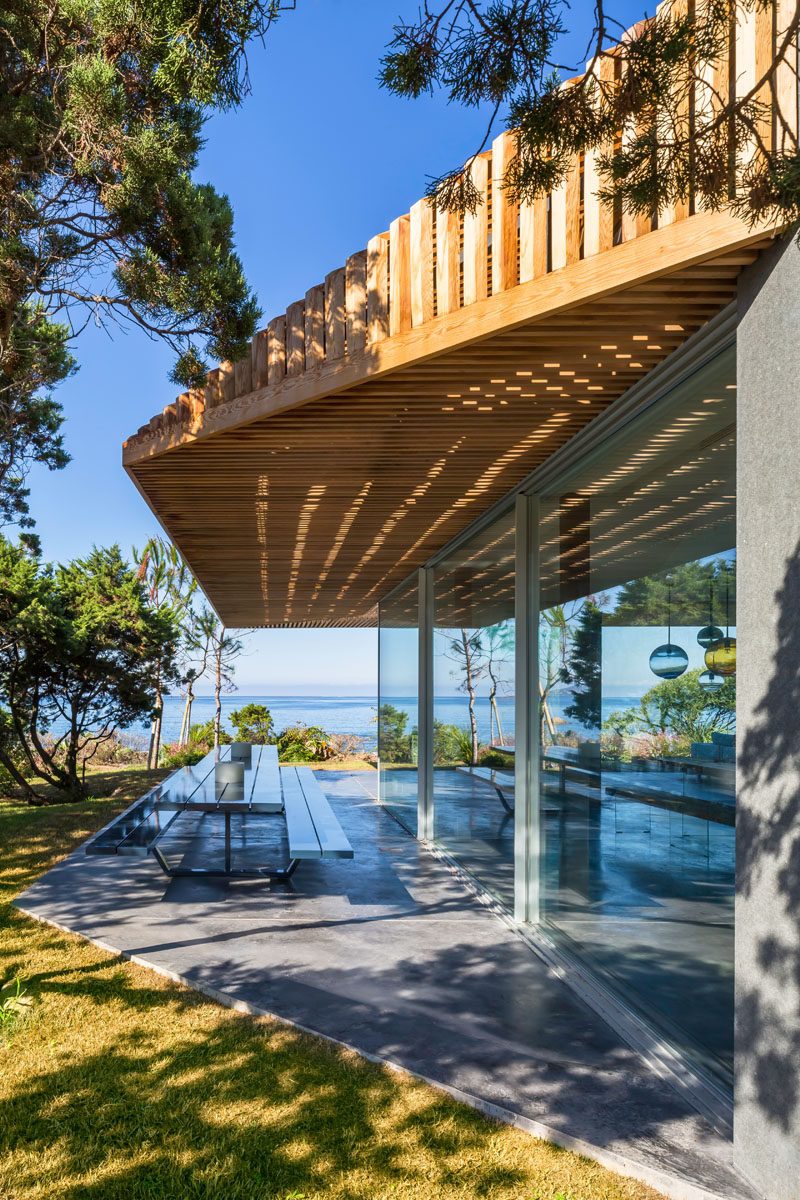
{"x": 767, "y": 1087}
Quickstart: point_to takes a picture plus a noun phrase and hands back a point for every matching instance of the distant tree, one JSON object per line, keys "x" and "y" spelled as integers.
{"x": 78, "y": 645}
{"x": 224, "y": 649}
{"x": 582, "y": 668}
{"x": 467, "y": 652}
{"x": 499, "y": 649}
{"x": 644, "y": 601}
{"x": 195, "y": 659}
{"x": 394, "y": 744}
{"x": 507, "y": 55}
{"x": 253, "y": 723}
{"x": 102, "y": 108}
{"x": 680, "y": 706}
{"x": 30, "y": 420}
{"x": 170, "y": 587}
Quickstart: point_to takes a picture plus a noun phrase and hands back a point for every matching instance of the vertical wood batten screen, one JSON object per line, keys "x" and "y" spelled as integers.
{"x": 431, "y": 263}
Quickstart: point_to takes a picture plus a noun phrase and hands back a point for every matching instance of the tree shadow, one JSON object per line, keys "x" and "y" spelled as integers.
{"x": 768, "y": 878}
{"x": 171, "y": 1096}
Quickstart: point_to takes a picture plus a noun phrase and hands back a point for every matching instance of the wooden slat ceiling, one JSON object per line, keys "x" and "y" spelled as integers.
{"x": 306, "y": 517}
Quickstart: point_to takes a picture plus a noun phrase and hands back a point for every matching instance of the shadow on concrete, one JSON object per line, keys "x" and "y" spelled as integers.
{"x": 768, "y": 864}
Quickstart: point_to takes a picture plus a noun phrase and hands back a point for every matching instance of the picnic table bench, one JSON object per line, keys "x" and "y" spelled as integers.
{"x": 232, "y": 782}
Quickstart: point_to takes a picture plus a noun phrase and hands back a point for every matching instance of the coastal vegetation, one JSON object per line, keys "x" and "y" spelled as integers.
{"x": 80, "y": 645}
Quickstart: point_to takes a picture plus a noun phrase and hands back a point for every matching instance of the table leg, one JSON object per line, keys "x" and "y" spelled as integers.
{"x": 227, "y": 842}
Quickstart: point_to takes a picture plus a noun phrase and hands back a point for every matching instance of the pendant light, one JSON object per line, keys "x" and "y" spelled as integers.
{"x": 669, "y": 661}
{"x": 721, "y": 654}
{"x": 710, "y": 682}
{"x": 710, "y": 632}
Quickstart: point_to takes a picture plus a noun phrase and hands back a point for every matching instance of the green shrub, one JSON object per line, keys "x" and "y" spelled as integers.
{"x": 304, "y": 743}
{"x": 395, "y": 745}
{"x": 174, "y": 755}
{"x": 446, "y": 744}
{"x": 253, "y": 723}
{"x": 203, "y": 735}
{"x": 496, "y": 758}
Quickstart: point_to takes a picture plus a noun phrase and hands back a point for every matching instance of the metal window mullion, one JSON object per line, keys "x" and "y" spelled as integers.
{"x": 526, "y": 733}
{"x": 425, "y": 708}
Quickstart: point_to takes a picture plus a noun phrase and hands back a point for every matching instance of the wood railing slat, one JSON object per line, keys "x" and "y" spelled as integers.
{"x": 243, "y": 376}
{"x": 258, "y": 358}
{"x": 598, "y": 218}
{"x": 276, "y": 349}
{"x": 378, "y": 288}
{"x": 296, "y": 338}
{"x": 447, "y": 273}
{"x": 421, "y": 234}
{"x": 400, "y": 275}
{"x": 335, "y": 323}
{"x": 504, "y": 216}
{"x": 476, "y": 238}
{"x": 786, "y": 128}
{"x": 212, "y": 391}
{"x": 227, "y": 383}
{"x": 315, "y": 326}
{"x": 355, "y": 301}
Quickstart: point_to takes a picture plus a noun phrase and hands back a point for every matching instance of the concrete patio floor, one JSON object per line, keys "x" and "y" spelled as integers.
{"x": 391, "y": 955}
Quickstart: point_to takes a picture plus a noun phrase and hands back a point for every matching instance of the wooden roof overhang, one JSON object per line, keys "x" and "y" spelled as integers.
{"x": 428, "y": 376}
{"x": 302, "y": 502}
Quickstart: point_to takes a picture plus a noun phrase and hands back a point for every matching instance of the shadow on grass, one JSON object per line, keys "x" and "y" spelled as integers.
{"x": 125, "y": 1085}
{"x": 167, "y": 1096}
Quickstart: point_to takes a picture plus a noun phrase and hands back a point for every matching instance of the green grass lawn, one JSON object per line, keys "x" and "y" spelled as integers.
{"x": 120, "y": 1084}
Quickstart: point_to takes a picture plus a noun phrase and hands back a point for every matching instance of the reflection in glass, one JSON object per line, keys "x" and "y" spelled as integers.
{"x": 637, "y": 781}
{"x": 473, "y": 736}
{"x": 398, "y": 690}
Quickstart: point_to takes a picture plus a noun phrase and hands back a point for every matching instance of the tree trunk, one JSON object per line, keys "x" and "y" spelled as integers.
{"x": 495, "y": 709}
{"x": 473, "y": 724}
{"x": 155, "y": 730}
{"x": 494, "y": 712}
{"x": 546, "y": 715}
{"x": 186, "y": 723}
{"x": 218, "y": 689}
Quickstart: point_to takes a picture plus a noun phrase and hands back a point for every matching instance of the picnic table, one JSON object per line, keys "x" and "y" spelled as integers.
{"x": 235, "y": 781}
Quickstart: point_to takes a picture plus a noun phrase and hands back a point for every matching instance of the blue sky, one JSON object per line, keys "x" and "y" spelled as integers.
{"x": 316, "y": 161}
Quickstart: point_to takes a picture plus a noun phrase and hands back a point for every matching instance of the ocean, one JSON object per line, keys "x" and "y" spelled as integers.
{"x": 350, "y": 714}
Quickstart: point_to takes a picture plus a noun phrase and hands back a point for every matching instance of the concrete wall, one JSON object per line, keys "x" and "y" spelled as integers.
{"x": 767, "y": 1089}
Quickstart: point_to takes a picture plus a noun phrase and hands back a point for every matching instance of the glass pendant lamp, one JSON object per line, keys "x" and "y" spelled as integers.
{"x": 668, "y": 661}
{"x": 721, "y": 654}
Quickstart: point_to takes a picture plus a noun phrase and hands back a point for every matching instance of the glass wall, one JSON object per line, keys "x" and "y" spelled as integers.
{"x": 473, "y": 734}
{"x": 637, "y": 659}
{"x": 398, "y": 666}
